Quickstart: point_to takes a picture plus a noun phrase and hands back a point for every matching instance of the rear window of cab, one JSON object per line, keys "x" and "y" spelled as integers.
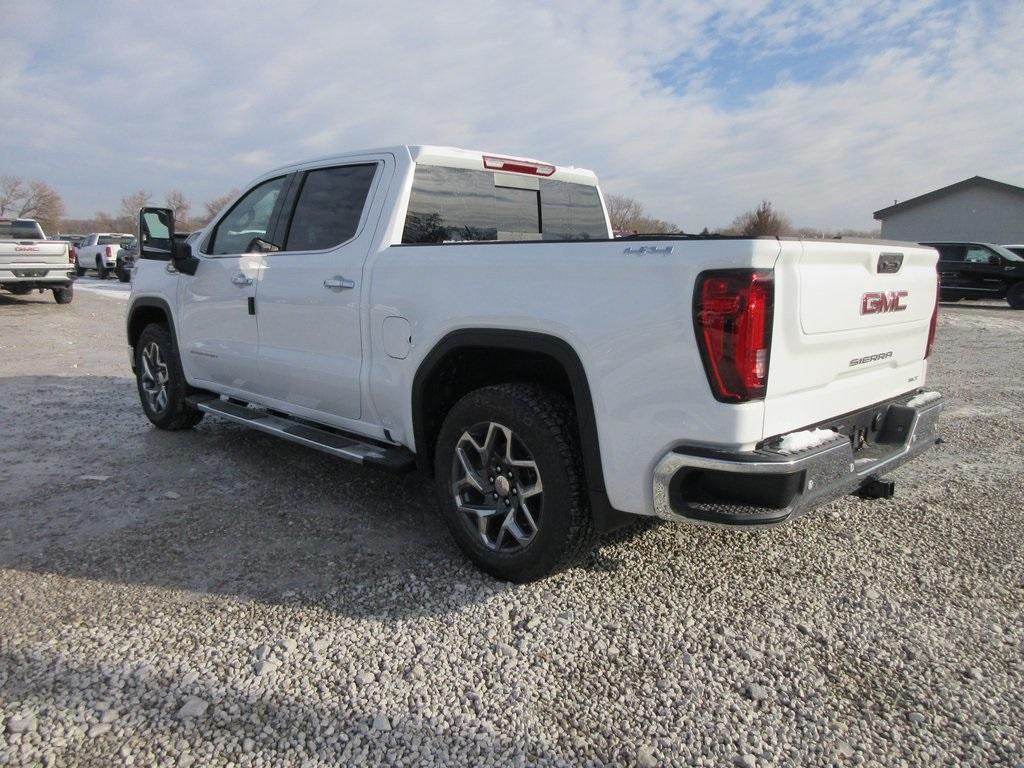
{"x": 452, "y": 205}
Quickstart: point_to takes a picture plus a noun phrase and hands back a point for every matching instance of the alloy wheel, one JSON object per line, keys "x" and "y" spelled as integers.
{"x": 154, "y": 377}
{"x": 497, "y": 487}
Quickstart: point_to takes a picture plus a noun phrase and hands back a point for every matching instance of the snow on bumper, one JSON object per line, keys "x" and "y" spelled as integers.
{"x": 801, "y": 471}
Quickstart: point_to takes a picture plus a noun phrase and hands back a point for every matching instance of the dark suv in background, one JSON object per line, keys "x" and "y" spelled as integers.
{"x": 980, "y": 271}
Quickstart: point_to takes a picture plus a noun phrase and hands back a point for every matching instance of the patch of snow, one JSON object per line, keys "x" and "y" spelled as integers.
{"x": 925, "y": 397}
{"x": 795, "y": 442}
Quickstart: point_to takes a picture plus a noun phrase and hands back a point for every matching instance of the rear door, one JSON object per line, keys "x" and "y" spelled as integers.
{"x": 216, "y": 327}
{"x": 850, "y": 329}
{"x": 952, "y": 272}
{"x": 308, "y": 301}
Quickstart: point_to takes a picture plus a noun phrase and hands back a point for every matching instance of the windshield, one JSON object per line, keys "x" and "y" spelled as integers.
{"x": 1006, "y": 253}
{"x": 23, "y": 229}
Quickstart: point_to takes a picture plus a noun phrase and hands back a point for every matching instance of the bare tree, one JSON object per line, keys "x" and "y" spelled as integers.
{"x": 213, "y": 207}
{"x": 627, "y": 215}
{"x": 130, "y": 205}
{"x": 181, "y": 205}
{"x": 763, "y": 220}
{"x": 104, "y": 222}
{"x": 31, "y": 200}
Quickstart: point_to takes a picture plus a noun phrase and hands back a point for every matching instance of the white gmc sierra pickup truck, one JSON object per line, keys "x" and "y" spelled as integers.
{"x": 28, "y": 261}
{"x": 471, "y": 314}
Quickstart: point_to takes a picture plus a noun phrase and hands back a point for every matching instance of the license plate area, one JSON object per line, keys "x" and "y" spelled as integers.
{"x": 30, "y": 272}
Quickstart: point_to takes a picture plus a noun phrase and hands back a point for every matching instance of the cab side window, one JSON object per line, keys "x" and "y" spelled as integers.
{"x": 248, "y": 220}
{"x": 329, "y": 207}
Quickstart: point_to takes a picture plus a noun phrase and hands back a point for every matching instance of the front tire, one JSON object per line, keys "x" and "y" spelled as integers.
{"x": 1015, "y": 296}
{"x": 509, "y": 478}
{"x": 64, "y": 295}
{"x": 161, "y": 382}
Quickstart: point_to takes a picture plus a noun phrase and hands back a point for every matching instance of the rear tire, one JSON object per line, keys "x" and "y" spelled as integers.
{"x": 161, "y": 382}
{"x": 64, "y": 295}
{"x": 509, "y": 478}
{"x": 101, "y": 271}
{"x": 1015, "y": 296}
{"x": 79, "y": 269}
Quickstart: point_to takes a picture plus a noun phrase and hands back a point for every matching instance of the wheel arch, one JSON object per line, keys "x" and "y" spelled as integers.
{"x": 146, "y": 310}
{"x": 553, "y": 362}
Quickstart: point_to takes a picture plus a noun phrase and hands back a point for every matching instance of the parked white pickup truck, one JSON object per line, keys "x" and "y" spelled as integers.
{"x": 28, "y": 261}
{"x": 101, "y": 251}
{"x": 472, "y": 315}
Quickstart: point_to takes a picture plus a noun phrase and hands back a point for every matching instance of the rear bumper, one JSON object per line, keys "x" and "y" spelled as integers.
{"x": 37, "y": 277}
{"x": 767, "y": 487}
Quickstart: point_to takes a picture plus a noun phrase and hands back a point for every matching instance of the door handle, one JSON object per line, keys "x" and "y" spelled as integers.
{"x": 241, "y": 280}
{"x": 338, "y": 283}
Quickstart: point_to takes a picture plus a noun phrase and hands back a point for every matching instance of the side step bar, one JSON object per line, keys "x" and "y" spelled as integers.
{"x": 393, "y": 458}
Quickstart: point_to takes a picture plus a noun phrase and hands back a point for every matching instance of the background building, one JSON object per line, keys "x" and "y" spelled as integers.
{"x": 977, "y": 209}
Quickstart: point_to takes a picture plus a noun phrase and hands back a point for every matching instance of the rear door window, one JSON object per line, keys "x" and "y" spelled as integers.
{"x": 329, "y": 207}
{"x": 951, "y": 252}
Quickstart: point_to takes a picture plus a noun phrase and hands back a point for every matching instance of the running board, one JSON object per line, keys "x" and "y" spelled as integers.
{"x": 393, "y": 458}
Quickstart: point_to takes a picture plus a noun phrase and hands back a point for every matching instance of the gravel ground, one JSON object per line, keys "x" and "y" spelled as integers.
{"x": 222, "y": 598}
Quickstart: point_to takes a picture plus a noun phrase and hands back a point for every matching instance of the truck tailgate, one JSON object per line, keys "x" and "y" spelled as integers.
{"x": 33, "y": 253}
{"x": 851, "y": 327}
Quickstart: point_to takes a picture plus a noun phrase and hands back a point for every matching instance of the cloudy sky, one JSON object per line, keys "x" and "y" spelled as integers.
{"x": 700, "y": 109}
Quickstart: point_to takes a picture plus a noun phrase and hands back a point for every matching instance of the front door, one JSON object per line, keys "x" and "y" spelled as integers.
{"x": 217, "y": 331}
{"x": 309, "y": 293}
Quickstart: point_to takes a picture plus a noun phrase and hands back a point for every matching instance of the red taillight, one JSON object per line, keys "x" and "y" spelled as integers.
{"x": 733, "y": 317}
{"x": 517, "y": 166}
{"x": 72, "y": 254}
{"x": 934, "y": 324}
{"x": 110, "y": 252}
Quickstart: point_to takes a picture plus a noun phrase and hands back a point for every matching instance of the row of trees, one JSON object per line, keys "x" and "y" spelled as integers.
{"x": 125, "y": 218}
{"x": 28, "y": 199}
{"x": 629, "y": 216}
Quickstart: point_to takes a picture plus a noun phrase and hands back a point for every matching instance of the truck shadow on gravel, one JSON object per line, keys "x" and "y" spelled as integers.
{"x": 94, "y": 491}
{"x": 248, "y": 708}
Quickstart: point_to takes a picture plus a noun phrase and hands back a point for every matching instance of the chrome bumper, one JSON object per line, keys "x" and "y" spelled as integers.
{"x": 798, "y": 481}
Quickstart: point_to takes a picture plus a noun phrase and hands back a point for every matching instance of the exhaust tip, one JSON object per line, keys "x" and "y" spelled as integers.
{"x": 875, "y": 488}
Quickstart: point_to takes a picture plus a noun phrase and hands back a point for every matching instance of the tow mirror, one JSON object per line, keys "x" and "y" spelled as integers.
{"x": 156, "y": 233}
{"x": 158, "y": 241}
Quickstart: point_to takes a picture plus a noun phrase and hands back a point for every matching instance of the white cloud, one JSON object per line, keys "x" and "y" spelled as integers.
{"x": 928, "y": 95}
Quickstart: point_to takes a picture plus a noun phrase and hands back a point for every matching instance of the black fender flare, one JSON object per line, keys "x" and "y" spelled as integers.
{"x": 152, "y": 302}
{"x": 524, "y": 341}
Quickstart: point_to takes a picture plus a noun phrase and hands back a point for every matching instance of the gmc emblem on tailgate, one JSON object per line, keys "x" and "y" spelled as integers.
{"x": 877, "y": 302}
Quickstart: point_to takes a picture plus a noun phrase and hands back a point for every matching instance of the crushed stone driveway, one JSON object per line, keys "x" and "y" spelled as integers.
{"x": 217, "y": 597}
